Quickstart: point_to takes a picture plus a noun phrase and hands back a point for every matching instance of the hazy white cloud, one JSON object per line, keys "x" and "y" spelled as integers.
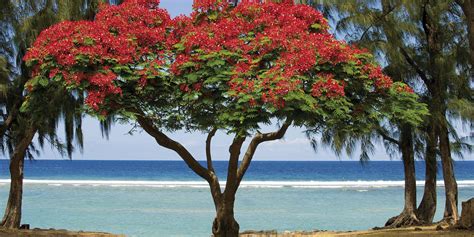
{"x": 288, "y": 142}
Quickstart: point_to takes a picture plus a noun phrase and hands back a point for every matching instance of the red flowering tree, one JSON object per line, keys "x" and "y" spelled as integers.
{"x": 223, "y": 68}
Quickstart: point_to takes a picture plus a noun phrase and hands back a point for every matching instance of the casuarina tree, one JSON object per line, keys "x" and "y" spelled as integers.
{"x": 22, "y": 21}
{"x": 223, "y": 68}
{"x": 426, "y": 45}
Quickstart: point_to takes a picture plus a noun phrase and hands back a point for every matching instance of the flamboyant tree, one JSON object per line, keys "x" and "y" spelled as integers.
{"x": 223, "y": 68}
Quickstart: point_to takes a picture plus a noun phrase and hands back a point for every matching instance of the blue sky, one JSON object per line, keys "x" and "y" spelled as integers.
{"x": 140, "y": 146}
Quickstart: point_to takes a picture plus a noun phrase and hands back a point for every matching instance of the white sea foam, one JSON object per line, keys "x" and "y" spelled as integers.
{"x": 55, "y": 185}
{"x": 245, "y": 184}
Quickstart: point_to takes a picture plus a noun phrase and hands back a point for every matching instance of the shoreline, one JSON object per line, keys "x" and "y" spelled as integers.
{"x": 417, "y": 231}
{"x": 36, "y": 232}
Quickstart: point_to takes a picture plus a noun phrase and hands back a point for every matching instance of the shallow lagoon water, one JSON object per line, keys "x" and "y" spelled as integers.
{"x": 145, "y": 209}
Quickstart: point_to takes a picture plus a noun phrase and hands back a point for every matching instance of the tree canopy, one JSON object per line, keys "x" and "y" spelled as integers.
{"x": 227, "y": 67}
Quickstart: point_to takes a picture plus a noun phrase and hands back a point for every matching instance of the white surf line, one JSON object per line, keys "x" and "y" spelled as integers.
{"x": 252, "y": 184}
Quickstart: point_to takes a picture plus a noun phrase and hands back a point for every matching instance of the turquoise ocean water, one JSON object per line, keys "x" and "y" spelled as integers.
{"x": 164, "y": 198}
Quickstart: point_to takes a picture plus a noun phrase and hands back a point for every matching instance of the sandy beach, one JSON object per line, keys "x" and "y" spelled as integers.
{"x": 53, "y": 233}
{"x": 425, "y": 231}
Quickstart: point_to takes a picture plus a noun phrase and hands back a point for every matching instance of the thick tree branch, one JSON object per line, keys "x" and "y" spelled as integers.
{"x": 257, "y": 139}
{"x": 214, "y": 183}
{"x": 211, "y": 134}
{"x": 386, "y": 7}
{"x": 22, "y": 146}
{"x": 9, "y": 120}
{"x": 231, "y": 183}
{"x": 215, "y": 190}
{"x": 425, "y": 23}
{"x": 6, "y": 125}
{"x": 171, "y": 144}
{"x": 415, "y": 66}
{"x": 378, "y": 19}
{"x": 386, "y": 137}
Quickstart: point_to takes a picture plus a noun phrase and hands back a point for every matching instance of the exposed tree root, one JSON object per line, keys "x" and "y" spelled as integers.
{"x": 403, "y": 220}
{"x": 447, "y": 221}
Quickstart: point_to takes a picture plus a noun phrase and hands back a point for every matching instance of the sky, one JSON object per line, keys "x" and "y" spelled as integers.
{"x": 141, "y": 146}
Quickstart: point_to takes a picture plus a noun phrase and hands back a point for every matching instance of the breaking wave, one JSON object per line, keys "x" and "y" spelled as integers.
{"x": 245, "y": 184}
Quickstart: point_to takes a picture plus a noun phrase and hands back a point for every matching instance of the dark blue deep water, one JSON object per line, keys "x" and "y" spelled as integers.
{"x": 259, "y": 170}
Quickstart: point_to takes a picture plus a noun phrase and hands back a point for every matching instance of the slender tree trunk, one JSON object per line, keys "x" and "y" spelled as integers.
{"x": 467, "y": 7}
{"x": 12, "y": 216}
{"x": 451, "y": 187}
{"x": 439, "y": 89}
{"x": 408, "y": 215}
{"x": 427, "y": 208}
{"x": 471, "y": 33}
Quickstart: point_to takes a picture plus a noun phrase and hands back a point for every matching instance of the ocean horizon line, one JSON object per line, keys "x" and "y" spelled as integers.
{"x": 202, "y": 160}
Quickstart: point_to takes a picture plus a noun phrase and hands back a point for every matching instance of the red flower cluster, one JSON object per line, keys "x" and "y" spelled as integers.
{"x": 381, "y": 81}
{"x": 403, "y": 89}
{"x": 276, "y": 44}
{"x": 206, "y": 5}
{"x": 328, "y": 86}
{"x": 140, "y": 21}
{"x": 268, "y": 50}
{"x": 253, "y": 31}
{"x": 133, "y": 32}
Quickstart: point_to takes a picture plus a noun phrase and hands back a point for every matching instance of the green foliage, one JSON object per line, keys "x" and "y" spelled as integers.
{"x": 45, "y": 110}
{"x": 4, "y": 76}
{"x": 462, "y": 108}
{"x": 423, "y": 44}
{"x": 405, "y": 109}
{"x": 305, "y": 76}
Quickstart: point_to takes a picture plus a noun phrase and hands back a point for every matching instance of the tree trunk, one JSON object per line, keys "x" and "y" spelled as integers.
{"x": 12, "y": 216}
{"x": 451, "y": 187}
{"x": 471, "y": 32}
{"x": 408, "y": 215}
{"x": 439, "y": 92}
{"x": 427, "y": 209}
{"x": 467, "y": 7}
{"x": 224, "y": 224}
